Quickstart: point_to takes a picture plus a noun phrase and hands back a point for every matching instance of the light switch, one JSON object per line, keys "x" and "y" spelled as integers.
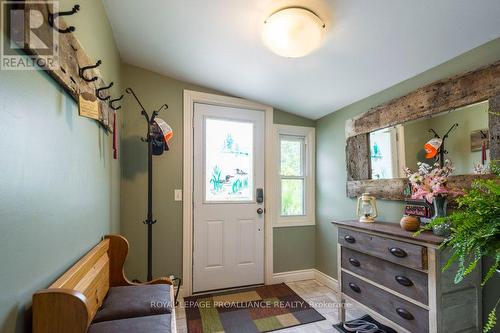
{"x": 177, "y": 195}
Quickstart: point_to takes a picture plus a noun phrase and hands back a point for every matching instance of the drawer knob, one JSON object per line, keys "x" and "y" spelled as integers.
{"x": 349, "y": 239}
{"x": 355, "y": 288}
{"x": 404, "y": 314}
{"x": 404, "y": 281}
{"x": 396, "y": 251}
{"x": 354, "y": 262}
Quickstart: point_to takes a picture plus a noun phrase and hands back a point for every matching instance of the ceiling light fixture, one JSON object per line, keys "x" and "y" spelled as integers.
{"x": 293, "y": 32}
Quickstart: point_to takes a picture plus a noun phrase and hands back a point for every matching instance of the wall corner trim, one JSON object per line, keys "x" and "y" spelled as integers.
{"x": 306, "y": 274}
{"x": 326, "y": 280}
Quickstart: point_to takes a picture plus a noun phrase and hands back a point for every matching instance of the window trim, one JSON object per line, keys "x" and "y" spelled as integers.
{"x": 308, "y": 133}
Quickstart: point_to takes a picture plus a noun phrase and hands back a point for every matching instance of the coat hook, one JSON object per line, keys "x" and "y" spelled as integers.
{"x": 83, "y": 69}
{"x": 113, "y": 101}
{"x": 98, "y": 92}
{"x": 163, "y": 107}
{"x": 484, "y": 135}
{"x": 53, "y": 16}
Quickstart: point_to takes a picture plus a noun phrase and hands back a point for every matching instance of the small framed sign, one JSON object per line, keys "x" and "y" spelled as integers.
{"x": 88, "y": 106}
{"x": 419, "y": 208}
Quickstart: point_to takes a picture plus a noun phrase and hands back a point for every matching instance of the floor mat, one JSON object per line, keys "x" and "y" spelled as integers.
{"x": 252, "y": 310}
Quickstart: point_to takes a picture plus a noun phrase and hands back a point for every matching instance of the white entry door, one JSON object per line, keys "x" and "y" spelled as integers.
{"x": 228, "y": 249}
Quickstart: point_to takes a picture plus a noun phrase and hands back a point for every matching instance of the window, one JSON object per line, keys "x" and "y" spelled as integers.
{"x": 387, "y": 153}
{"x": 292, "y": 175}
{"x": 296, "y": 175}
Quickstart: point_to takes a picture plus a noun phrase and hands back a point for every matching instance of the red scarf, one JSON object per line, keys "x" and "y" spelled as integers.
{"x": 115, "y": 146}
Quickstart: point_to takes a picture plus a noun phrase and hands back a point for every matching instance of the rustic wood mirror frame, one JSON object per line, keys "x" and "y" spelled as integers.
{"x": 444, "y": 95}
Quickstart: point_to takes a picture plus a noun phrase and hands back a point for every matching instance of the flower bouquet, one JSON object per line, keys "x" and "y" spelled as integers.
{"x": 430, "y": 183}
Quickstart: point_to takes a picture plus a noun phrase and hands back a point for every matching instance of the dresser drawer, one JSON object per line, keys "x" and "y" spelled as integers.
{"x": 406, "y": 254}
{"x": 408, "y": 315}
{"x": 403, "y": 280}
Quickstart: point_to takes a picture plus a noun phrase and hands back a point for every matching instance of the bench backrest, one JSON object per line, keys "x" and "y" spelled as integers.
{"x": 90, "y": 276}
{"x": 70, "y": 303}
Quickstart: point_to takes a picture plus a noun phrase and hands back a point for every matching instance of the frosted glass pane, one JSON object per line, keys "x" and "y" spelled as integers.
{"x": 291, "y": 157}
{"x": 292, "y": 197}
{"x": 229, "y": 163}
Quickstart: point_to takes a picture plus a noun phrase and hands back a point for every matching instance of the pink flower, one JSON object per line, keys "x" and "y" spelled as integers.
{"x": 430, "y": 181}
{"x": 420, "y": 193}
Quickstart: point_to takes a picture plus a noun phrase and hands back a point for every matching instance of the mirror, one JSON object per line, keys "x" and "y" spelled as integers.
{"x": 395, "y": 148}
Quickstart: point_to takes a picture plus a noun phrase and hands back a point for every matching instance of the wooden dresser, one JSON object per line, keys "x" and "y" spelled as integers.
{"x": 397, "y": 278}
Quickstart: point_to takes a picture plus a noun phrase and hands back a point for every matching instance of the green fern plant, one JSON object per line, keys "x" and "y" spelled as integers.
{"x": 475, "y": 232}
{"x": 492, "y": 319}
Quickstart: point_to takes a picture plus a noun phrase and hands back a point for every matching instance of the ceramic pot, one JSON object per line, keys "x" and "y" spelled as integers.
{"x": 440, "y": 205}
{"x": 410, "y": 223}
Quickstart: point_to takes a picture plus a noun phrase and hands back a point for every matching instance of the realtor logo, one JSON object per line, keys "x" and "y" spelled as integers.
{"x": 26, "y": 28}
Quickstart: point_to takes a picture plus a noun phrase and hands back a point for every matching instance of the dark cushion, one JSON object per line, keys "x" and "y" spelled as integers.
{"x": 149, "y": 324}
{"x": 135, "y": 301}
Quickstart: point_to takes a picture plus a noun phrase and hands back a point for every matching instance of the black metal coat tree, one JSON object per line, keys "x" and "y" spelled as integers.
{"x": 149, "y": 219}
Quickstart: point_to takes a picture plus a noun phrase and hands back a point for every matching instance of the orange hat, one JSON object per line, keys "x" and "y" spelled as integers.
{"x": 166, "y": 130}
{"x": 432, "y": 147}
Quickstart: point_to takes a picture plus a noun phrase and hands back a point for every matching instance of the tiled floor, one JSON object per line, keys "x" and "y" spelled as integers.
{"x": 322, "y": 298}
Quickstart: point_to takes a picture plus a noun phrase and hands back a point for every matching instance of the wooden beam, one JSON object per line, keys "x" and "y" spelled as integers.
{"x": 494, "y": 127}
{"x": 440, "y": 96}
{"x": 387, "y": 189}
{"x": 393, "y": 189}
{"x": 358, "y": 157}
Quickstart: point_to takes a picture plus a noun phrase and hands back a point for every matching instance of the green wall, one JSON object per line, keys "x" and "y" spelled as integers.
{"x": 416, "y": 135}
{"x": 154, "y": 90}
{"x": 469, "y": 119}
{"x": 293, "y": 247}
{"x": 331, "y": 201}
{"x": 59, "y": 187}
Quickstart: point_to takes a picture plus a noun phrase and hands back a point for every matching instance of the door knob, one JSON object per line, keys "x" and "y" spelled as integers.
{"x": 260, "y": 211}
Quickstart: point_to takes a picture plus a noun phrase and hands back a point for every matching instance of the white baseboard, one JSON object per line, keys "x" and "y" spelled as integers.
{"x": 326, "y": 280}
{"x": 293, "y": 276}
{"x": 306, "y": 274}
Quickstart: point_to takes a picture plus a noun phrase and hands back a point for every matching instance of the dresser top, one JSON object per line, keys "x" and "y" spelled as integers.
{"x": 391, "y": 229}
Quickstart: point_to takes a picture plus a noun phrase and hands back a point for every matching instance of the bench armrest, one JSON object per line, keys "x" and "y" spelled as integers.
{"x": 118, "y": 251}
{"x": 162, "y": 280}
{"x": 60, "y": 311}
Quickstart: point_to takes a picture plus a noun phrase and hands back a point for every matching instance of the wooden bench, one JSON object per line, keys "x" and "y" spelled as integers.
{"x": 70, "y": 304}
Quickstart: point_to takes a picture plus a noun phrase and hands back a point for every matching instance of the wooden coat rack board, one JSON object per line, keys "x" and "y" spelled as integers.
{"x": 73, "y": 62}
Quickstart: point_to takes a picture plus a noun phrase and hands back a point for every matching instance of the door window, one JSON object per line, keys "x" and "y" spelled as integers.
{"x": 229, "y": 160}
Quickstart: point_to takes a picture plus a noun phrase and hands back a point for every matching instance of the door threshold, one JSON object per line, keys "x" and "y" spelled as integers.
{"x": 227, "y": 289}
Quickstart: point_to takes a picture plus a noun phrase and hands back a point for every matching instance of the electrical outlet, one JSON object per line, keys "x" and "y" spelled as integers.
{"x": 177, "y": 195}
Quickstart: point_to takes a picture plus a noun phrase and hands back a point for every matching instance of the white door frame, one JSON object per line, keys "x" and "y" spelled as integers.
{"x": 191, "y": 97}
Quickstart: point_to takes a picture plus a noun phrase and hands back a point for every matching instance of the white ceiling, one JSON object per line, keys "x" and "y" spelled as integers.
{"x": 370, "y": 45}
